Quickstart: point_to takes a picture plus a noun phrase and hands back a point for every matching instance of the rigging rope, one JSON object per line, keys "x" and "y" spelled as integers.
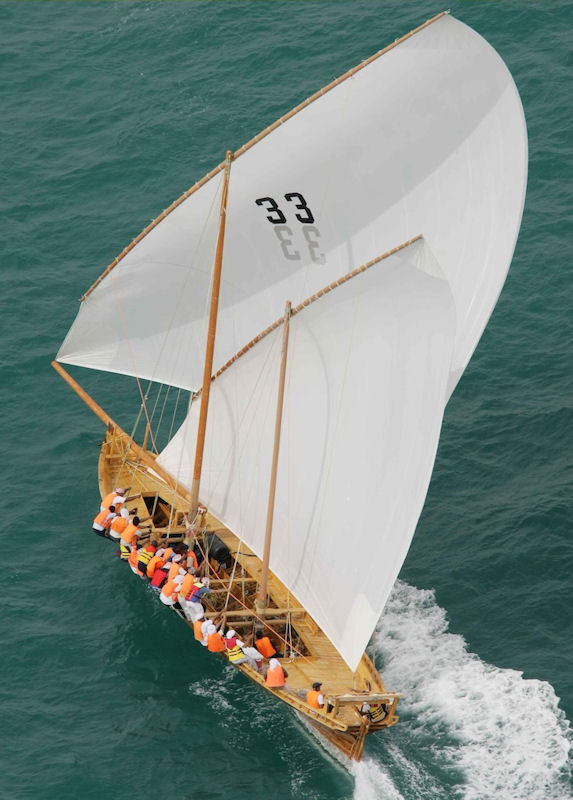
{"x": 232, "y": 578}
{"x": 251, "y": 612}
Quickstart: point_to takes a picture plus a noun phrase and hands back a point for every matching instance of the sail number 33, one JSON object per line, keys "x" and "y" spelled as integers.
{"x": 284, "y": 232}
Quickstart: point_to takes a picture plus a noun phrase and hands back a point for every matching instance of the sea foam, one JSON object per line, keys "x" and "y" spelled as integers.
{"x": 488, "y": 731}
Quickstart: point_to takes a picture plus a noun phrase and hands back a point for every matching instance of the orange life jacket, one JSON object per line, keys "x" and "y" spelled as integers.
{"x": 167, "y": 553}
{"x": 215, "y": 643}
{"x": 170, "y": 589}
{"x": 186, "y": 585}
{"x": 173, "y": 571}
{"x": 197, "y": 625}
{"x": 102, "y": 518}
{"x": 119, "y": 524}
{"x": 106, "y": 501}
{"x": 191, "y": 555}
{"x": 109, "y": 498}
{"x": 275, "y": 677}
{"x": 130, "y": 533}
{"x": 312, "y": 698}
{"x": 154, "y": 563}
{"x": 133, "y": 559}
{"x": 265, "y": 647}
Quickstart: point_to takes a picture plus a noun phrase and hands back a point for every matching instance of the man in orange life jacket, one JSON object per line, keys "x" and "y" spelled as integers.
{"x": 117, "y": 498}
{"x": 215, "y": 639}
{"x": 103, "y": 521}
{"x": 314, "y": 697}
{"x": 119, "y": 524}
{"x": 276, "y": 675}
{"x": 129, "y": 536}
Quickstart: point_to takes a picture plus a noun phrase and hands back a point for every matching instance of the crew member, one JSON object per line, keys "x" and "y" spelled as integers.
{"x": 170, "y": 590}
{"x": 119, "y": 524}
{"x": 265, "y": 647}
{"x": 129, "y": 537}
{"x": 276, "y": 675}
{"x": 103, "y": 520}
{"x": 133, "y": 560}
{"x": 156, "y": 562}
{"x": 115, "y": 498}
{"x": 234, "y": 648}
{"x": 375, "y": 712}
{"x": 314, "y": 697}
{"x": 145, "y": 555}
{"x": 215, "y": 641}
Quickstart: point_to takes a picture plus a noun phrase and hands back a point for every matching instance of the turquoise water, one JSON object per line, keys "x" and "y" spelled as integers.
{"x": 108, "y": 111}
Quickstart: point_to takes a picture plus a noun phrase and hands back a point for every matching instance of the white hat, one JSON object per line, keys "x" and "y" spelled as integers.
{"x": 176, "y": 558}
{"x": 230, "y": 634}
{"x": 119, "y": 491}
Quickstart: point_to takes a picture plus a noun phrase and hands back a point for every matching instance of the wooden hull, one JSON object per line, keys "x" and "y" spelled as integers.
{"x": 308, "y": 655}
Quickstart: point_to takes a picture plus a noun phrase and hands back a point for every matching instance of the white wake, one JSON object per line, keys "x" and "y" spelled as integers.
{"x": 488, "y": 732}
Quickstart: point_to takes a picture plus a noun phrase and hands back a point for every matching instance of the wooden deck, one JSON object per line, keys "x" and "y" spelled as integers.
{"x": 317, "y": 660}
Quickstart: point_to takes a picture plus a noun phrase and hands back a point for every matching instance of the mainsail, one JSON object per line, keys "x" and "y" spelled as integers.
{"x": 367, "y": 376}
{"x": 426, "y": 137}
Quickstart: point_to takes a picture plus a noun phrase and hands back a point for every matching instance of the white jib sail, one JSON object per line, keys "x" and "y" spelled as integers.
{"x": 427, "y": 138}
{"x": 366, "y": 386}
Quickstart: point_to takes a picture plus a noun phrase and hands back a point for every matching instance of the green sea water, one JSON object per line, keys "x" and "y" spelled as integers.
{"x": 108, "y": 112}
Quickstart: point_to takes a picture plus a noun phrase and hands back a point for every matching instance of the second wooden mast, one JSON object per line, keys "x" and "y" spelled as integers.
{"x": 261, "y": 598}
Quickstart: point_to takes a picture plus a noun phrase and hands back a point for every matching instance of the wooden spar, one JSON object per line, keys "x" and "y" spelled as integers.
{"x": 210, "y": 343}
{"x": 88, "y": 400}
{"x": 316, "y": 296}
{"x": 247, "y": 612}
{"x": 325, "y": 89}
{"x": 261, "y": 599}
{"x": 148, "y": 460}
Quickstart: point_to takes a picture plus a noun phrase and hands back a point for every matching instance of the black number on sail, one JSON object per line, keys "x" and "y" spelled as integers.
{"x": 302, "y": 206}
{"x": 307, "y": 217}
{"x": 273, "y": 209}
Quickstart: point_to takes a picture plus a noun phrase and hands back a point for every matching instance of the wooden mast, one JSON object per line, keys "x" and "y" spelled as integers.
{"x": 261, "y": 598}
{"x": 210, "y": 342}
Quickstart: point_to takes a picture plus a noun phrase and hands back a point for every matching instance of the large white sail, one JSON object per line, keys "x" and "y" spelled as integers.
{"x": 429, "y": 137}
{"x": 366, "y": 386}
